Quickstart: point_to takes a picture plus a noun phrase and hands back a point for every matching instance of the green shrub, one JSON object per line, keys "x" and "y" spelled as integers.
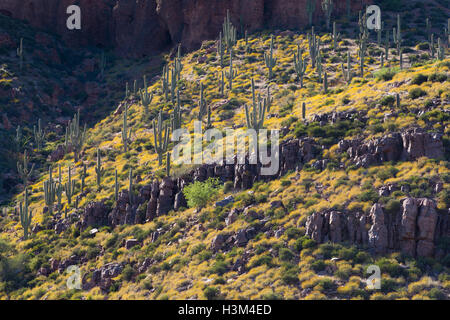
{"x": 419, "y": 79}
{"x": 198, "y": 194}
{"x": 417, "y": 93}
{"x": 211, "y": 293}
{"x": 386, "y": 74}
{"x": 286, "y": 255}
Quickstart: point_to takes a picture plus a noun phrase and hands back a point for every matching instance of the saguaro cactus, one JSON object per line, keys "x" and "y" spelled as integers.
{"x": 229, "y": 32}
{"x": 441, "y": 50}
{"x": 50, "y": 191}
{"x": 202, "y": 108}
{"x": 69, "y": 187}
{"x": 22, "y": 169}
{"x": 116, "y": 186}
{"x": 39, "y": 135}
{"x": 362, "y": 48}
{"x": 269, "y": 59}
{"x": 20, "y": 53}
{"x": 99, "y": 170}
{"x": 25, "y": 215}
{"x": 327, "y": 7}
{"x": 325, "y": 83}
{"x": 168, "y": 164}
{"x": 146, "y": 98}
{"x": 255, "y": 119}
{"x": 304, "y": 110}
{"x": 126, "y": 131}
{"x": 176, "y": 118}
{"x": 231, "y": 74}
{"x": 397, "y": 34}
{"x": 83, "y": 177}
{"x": 221, "y": 50}
{"x": 161, "y": 137}
{"x": 347, "y": 73}
{"x": 314, "y": 47}
{"x": 335, "y": 36}
{"x": 300, "y": 65}
{"x": 310, "y": 9}
{"x": 75, "y": 137}
{"x": 178, "y": 65}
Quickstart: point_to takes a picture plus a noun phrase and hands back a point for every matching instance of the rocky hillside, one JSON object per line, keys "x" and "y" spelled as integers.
{"x": 139, "y": 28}
{"x": 363, "y": 178}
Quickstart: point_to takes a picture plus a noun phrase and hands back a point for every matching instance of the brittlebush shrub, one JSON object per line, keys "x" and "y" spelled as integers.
{"x": 198, "y": 194}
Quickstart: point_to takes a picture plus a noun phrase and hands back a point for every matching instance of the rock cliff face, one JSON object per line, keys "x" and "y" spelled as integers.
{"x": 414, "y": 229}
{"x": 146, "y": 26}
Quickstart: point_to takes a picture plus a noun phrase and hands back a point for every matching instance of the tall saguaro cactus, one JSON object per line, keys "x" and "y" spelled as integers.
{"x": 39, "y": 135}
{"x": 50, "y": 191}
{"x": 327, "y": 7}
{"x": 221, "y": 50}
{"x": 126, "y": 131}
{"x": 231, "y": 74}
{"x": 314, "y": 47}
{"x": 310, "y": 9}
{"x": 347, "y": 73}
{"x": 397, "y": 33}
{"x": 335, "y": 36}
{"x": 229, "y": 32}
{"x": 20, "y": 54}
{"x": 161, "y": 137}
{"x": 255, "y": 119}
{"x": 23, "y": 170}
{"x": 146, "y": 98}
{"x": 25, "y": 215}
{"x": 269, "y": 59}
{"x": 99, "y": 170}
{"x": 69, "y": 187}
{"x": 300, "y": 65}
{"x": 75, "y": 137}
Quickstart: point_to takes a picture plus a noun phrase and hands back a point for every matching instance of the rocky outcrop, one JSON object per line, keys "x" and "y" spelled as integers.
{"x": 406, "y": 146}
{"x": 95, "y": 214}
{"x": 414, "y": 230}
{"x": 138, "y": 28}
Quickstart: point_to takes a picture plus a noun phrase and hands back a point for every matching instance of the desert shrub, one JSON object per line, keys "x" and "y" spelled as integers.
{"x": 386, "y": 74}
{"x": 419, "y": 79}
{"x": 286, "y": 255}
{"x": 289, "y": 274}
{"x": 387, "y": 100}
{"x": 127, "y": 273}
{"x": 392, "y": 206}
{"x": 198, "y": 194}
{"x": 211, "y": 293}
{"x": 417, "y": 93}
{"x": 390, "y": 266}
{"x": 437, "y": 77}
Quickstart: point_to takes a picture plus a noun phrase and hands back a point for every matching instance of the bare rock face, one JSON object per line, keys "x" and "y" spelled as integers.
{"x": 408, "y": 145}
{"x": 414, "y": 230}
{"x": 417, "y": 143}
{"x": 95, "y": 214}
{"x": 139, "y": 28}
{"x": 378, "y": 234}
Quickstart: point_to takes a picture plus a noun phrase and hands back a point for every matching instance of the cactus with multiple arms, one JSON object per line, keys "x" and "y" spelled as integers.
{"x": 50, "y": 191}
{"x": 25, "y": 215}
{"x": 397, "y": 34}
{"x": 310, "y": 9}
{"x": 229, "y": 32}
{"x": 75, "y": 136}
{"x": 327, "y": 7}
{"x": 269, "y": 59}
{"x": 146, "y": 98}
{"x": 161, "y": 137}
{"x": 22, "y": 169}
{"x": 39, "y": 135}
{"x": 335, "y": 36}
{"x": 255, "y": 119}
{"x": 300, "y": 65}
{"x": 314, "y": 47}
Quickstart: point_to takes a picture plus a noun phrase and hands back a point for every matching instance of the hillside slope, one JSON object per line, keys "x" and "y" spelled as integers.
{"x": 374, "y": 149}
